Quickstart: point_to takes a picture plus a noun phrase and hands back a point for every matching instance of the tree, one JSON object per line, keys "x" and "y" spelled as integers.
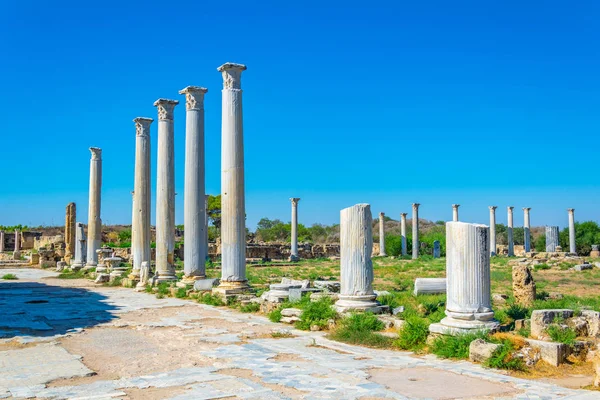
{"x": 214, "y": 211}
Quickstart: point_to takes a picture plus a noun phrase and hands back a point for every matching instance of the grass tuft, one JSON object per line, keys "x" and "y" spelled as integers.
{"x": 10, "y": 277}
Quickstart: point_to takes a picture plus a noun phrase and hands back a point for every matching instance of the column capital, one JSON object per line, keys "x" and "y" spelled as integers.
{"x": 510, "y": 208}
{"x": 571, "y": 210}
{"x": 415, "y": 206}
{"x": 165, "y": 108}
{"x": 142, "y": 126}
{"x": 455, "y": 205}
{"x": 232, "y": 75}
{"x": 294, "y": 200}
{"x": 381, "y": 214}
{"x": 403, "y": 214}
{"x": 526, "y": 209}
{"x": 194, "y": 97}
{"x": 96, "y": 153}
{"x": 492, "y": 208}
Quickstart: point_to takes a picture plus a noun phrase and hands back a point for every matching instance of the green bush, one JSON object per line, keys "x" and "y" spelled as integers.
{"x": 9, "y": 277}
{"x": 316, "y": 313}
{"x": 502, "y": 358}
{"x": 561, "y": 334}
{"x": 250, "y": 308}
{"x": 542, "y": 266}
{"x": 517, "y": 311}
{"x": 360, "y": 329}
{"x": 413, "y": 334}
{"x": 210, "y": 299}
{"x": 275, "y": 315}
{"x": 181, "y": 293}
{"x": 448, "y": 346}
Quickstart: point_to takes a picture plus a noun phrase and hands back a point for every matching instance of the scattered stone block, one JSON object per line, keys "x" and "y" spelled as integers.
{"x": 579, "y": 325}
{"x": 582, "y": 267}
{"x": 523, "y": 285}
{"x": 202, "y": 285}
{"x": 480, "y": 350}
{"x": 289, "y": 320}
{"x": 551, "y": 352}
{"x": 297, "y": 294}
{"x": 555, "y": 296}
{"x": 391, "y": 335}
{"x": 390, "y": 321}
{"x": 315, "y": 328}
{"x": 102, "y": 278}
{"x": 291, "y": 312}
{"x": 330, "y": 286}
{"x": 381, "y": 293}
{"x": 522, "y": 324}
{"x": 430, "y": 286}
{"x": 398, "y": 310}
{"x": 593, "y": 322}
{"x": 540, "y": 319}
{"x": 499, "y": 298}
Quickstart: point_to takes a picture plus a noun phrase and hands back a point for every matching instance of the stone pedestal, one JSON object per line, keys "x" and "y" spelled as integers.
{"x": 551, "y": 238}
{"x": 356, "y": 267}
{"x": 294, "y": 247}
{"x": 94, "y": 222}
{"x": 509, "y": 233}
{"x": 70, "y": 219}
{"x": 415, "y": 231}
{"x": 526, "y": 232}
{"x": 572, "y": 244}
{"x": 233, "y": 203}
{"x": 403, "y": 233}
{"x": 144, "y": 276}
{"x": 492, "y": 230}
{"x": 437, "y": 249}
{"x": 194, "y": 196}
{"x": 80, "y": 247}
{"x": 468, "y": 303}
{"x": 165, "y": 192}
{"x": 101, "y": 255}
{"x": 382, "y": 235}
{"x": 455, "y": 212}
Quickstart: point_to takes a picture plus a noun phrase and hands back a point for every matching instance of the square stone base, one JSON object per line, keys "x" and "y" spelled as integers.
{"x": 231, "y": 289}
{"x": 448, "y": 327}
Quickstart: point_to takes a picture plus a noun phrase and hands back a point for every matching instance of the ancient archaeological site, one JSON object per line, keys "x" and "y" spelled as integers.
{"x": 375, "y": 306}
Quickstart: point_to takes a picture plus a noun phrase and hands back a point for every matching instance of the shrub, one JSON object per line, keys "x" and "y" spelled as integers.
{"x": 360, "y": 329}
{"x": 448, "y": 346}
{"x": 542, "y": 266}
{"x": 502, "y": 358}
{"x": 9, "y": 277}
{"x": 413, "y": 334}
{"x": 561, "y": 334}
{"x": 250, "y": 308}
{"x": 275, "y": 315}
{"x": 316, "y": 313}
{"x": 517, "y": 311}
{"x": 210, "y": 299}
{"x": 181, "y": 293}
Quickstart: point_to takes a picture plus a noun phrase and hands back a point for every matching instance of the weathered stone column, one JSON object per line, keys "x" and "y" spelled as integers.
{"x": 70, "y": 219}
{"x": 165, "y": 192}
{"x": 526, "y": 230}
{"x": 382, "y": 235}
{"x": 94, "y": 221}
{"x": 493, "y": 230}
{"x": 140, "y": 243}
{"x": 80, "y": 247}
{"x": 415, "y": 231}
{"x": 206, "y": 226}
{"x": 17, "y": 251}
{"x": 468, "y": 301}
{"x": 1, "y": 241}
{"x": 133, "y": 228}
{"x": 437, "y": 249}
{"x": 294, "y": 248}
{"x": 233, "y": 203}
{"x": 356, "y": 267}
{"x": 403, "y": 233}
{"x": 551, "y": 238}
{"x": 572, "y": 244}
{"x": 509, "y": 232}
{"x": 455, "y": 212}
{"x": 194, "y": 195}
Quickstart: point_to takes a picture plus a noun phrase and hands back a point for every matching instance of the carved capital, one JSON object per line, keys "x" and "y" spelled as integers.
{"x": 526, "y": 209}
{"x": 294, "y": 201}
{"x": 571, "y": 210}
{"x": 232, "y": 75}
{"x": 415, "y": 206}
{"x": 455, "y": 206}
{"x": 493, "y": 208}
{"x": 510, "y": 209}
{"x": 381, "y": 215}
{"x": 142, "y": 126}
{"x": 194, "y": 97}
{"x": 96, "y": 153}
{"x": 165, "y": 108}
{"x": 403, "y": 215}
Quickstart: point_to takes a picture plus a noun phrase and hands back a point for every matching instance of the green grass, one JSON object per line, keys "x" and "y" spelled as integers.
{"x": 316, "y": 313}
{"x": 250, "y": 308}
{"x": 561, "y": 334}
{"x": 502, "y": 358}
{"x": 10, "y": 277}
{"x": 181, "y": 293}
{"x": 413, "y": 334}
{"x": 72, "y": 274}
{"x": 210, "y": 299}
{"x": 448, "y": 346}
{"x": 361, "y": 328}
{"x": 542, "y": 266}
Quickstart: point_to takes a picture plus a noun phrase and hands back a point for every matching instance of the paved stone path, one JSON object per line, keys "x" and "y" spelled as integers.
{"x": 66, "y": 339}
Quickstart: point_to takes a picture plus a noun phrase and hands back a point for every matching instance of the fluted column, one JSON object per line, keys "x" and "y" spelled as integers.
{"x": 17, "y": 251}
{"x": 509, "y": 232}
{"x": 493, "y": 230}
{"x": 526, "y": 230}
{"x": 80, "y": 247}
{"x": 382, "y": 251}
{"x": 403, "y": 233}
{"x": 572, "y": 244}
{"x": 133, "y": 228}
{"x": 455, "y": 212}
{"x": 294, "y": 246}
{"x": 140, "y": 240}
{"x": 206, "y": 226}
{"x": 356, "y": 267}
{"x": 233, "y": 204}
{"x": 70, "y": 219}
{"x": 165, "y": 192}
{"x": 551, "y": 238}
{"x": 194, "y": 196}
{"x": 468, "y": 298}
{"x": 94, "y": 221}
{"x": 1, "y": 241}
{"x": 415, "y": 231}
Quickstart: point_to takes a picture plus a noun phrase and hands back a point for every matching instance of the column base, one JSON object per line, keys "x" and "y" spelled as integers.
{"x": 228, "y": 289}
{"x": 452, "y": 326}
{"x": 359, "y": 303}
{"x": 293, "y": 258}
{"x": 99, "y": 269}
{"x": 189, "y": 280}
{"x": 165, "y": 276}
{"x": 76, "y": 266}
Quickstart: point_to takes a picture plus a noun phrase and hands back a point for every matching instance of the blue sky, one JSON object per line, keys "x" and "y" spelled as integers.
{"x": 387, "y": 103}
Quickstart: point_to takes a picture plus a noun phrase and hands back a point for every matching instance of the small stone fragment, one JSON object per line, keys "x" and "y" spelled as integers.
{"x": 480, "y": 350}
{"x": 523, "y": 285}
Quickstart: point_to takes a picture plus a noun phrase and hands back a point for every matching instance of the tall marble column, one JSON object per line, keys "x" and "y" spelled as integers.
{"x": 141, "y": 196}
{"x": 356, "y": 267}
{"x": 133, "y": 228}
{"x": 70, "y": 219}
{"x": 294, "y": 248}
{"x": 233, "y": 204}
{"x": 17, "y": 251}
{"x": 206, "y": 226}
{"x": 1, "y": 241}
{"x": 80, "y": 247}
{"x": 572, "y": 244}
{"x": 382, "y": 251}
{"x": 415, "y": 231}
{"x": 455, "y": 212}
{"x": 509, "y": 232}
{"x": 468, "y": 301}
{"x": 165, "y": 192}
{"x": 493, "y": 230}
{"x": 403, "y": 233}
{"x": 94, "y": 221}
{"x": 526, "y": 230}
{"x": 551, "y": 238}
{"x": 194, "y": 264}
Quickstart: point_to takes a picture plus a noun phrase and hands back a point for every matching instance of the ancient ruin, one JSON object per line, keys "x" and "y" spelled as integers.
{"x": 294, "y": 242}
{"x": 415, "y": 231}
{"x": 70, "y": 220}
{"x": 382, "y": 252}
{"x": 492, "y": 232}
{"x": 94, "y": 238}
{"x": 551, "y": 239}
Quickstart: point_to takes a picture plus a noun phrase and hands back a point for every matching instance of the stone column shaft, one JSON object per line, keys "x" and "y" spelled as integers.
{"x": 382, "y": 251}
{"x": 294, "y": 244}
{"x": 206, "y": 226}
{"x": 94, "y": 221}
{"x": 572, "y": 244}
{"x": 233, "y": 203}
{"x": 80, "y": 247}
{"x": 141, "y": 196}
{"x": 509, "y": 233}
{"x": 165, "y": 192}
{"x": 415, "y": 231}
{"x": 403, "y": 233}
{"x": 70, "y": 219}
{"x": 194, "y": 196}
{"x": 455, "y": 212}
{"x": 492, "y": 230}
{"x": 17, "y": 251}
{"x": 1, "y": 241}
{"x": 526, "y": 230}
{"x": 551, "y": 238}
